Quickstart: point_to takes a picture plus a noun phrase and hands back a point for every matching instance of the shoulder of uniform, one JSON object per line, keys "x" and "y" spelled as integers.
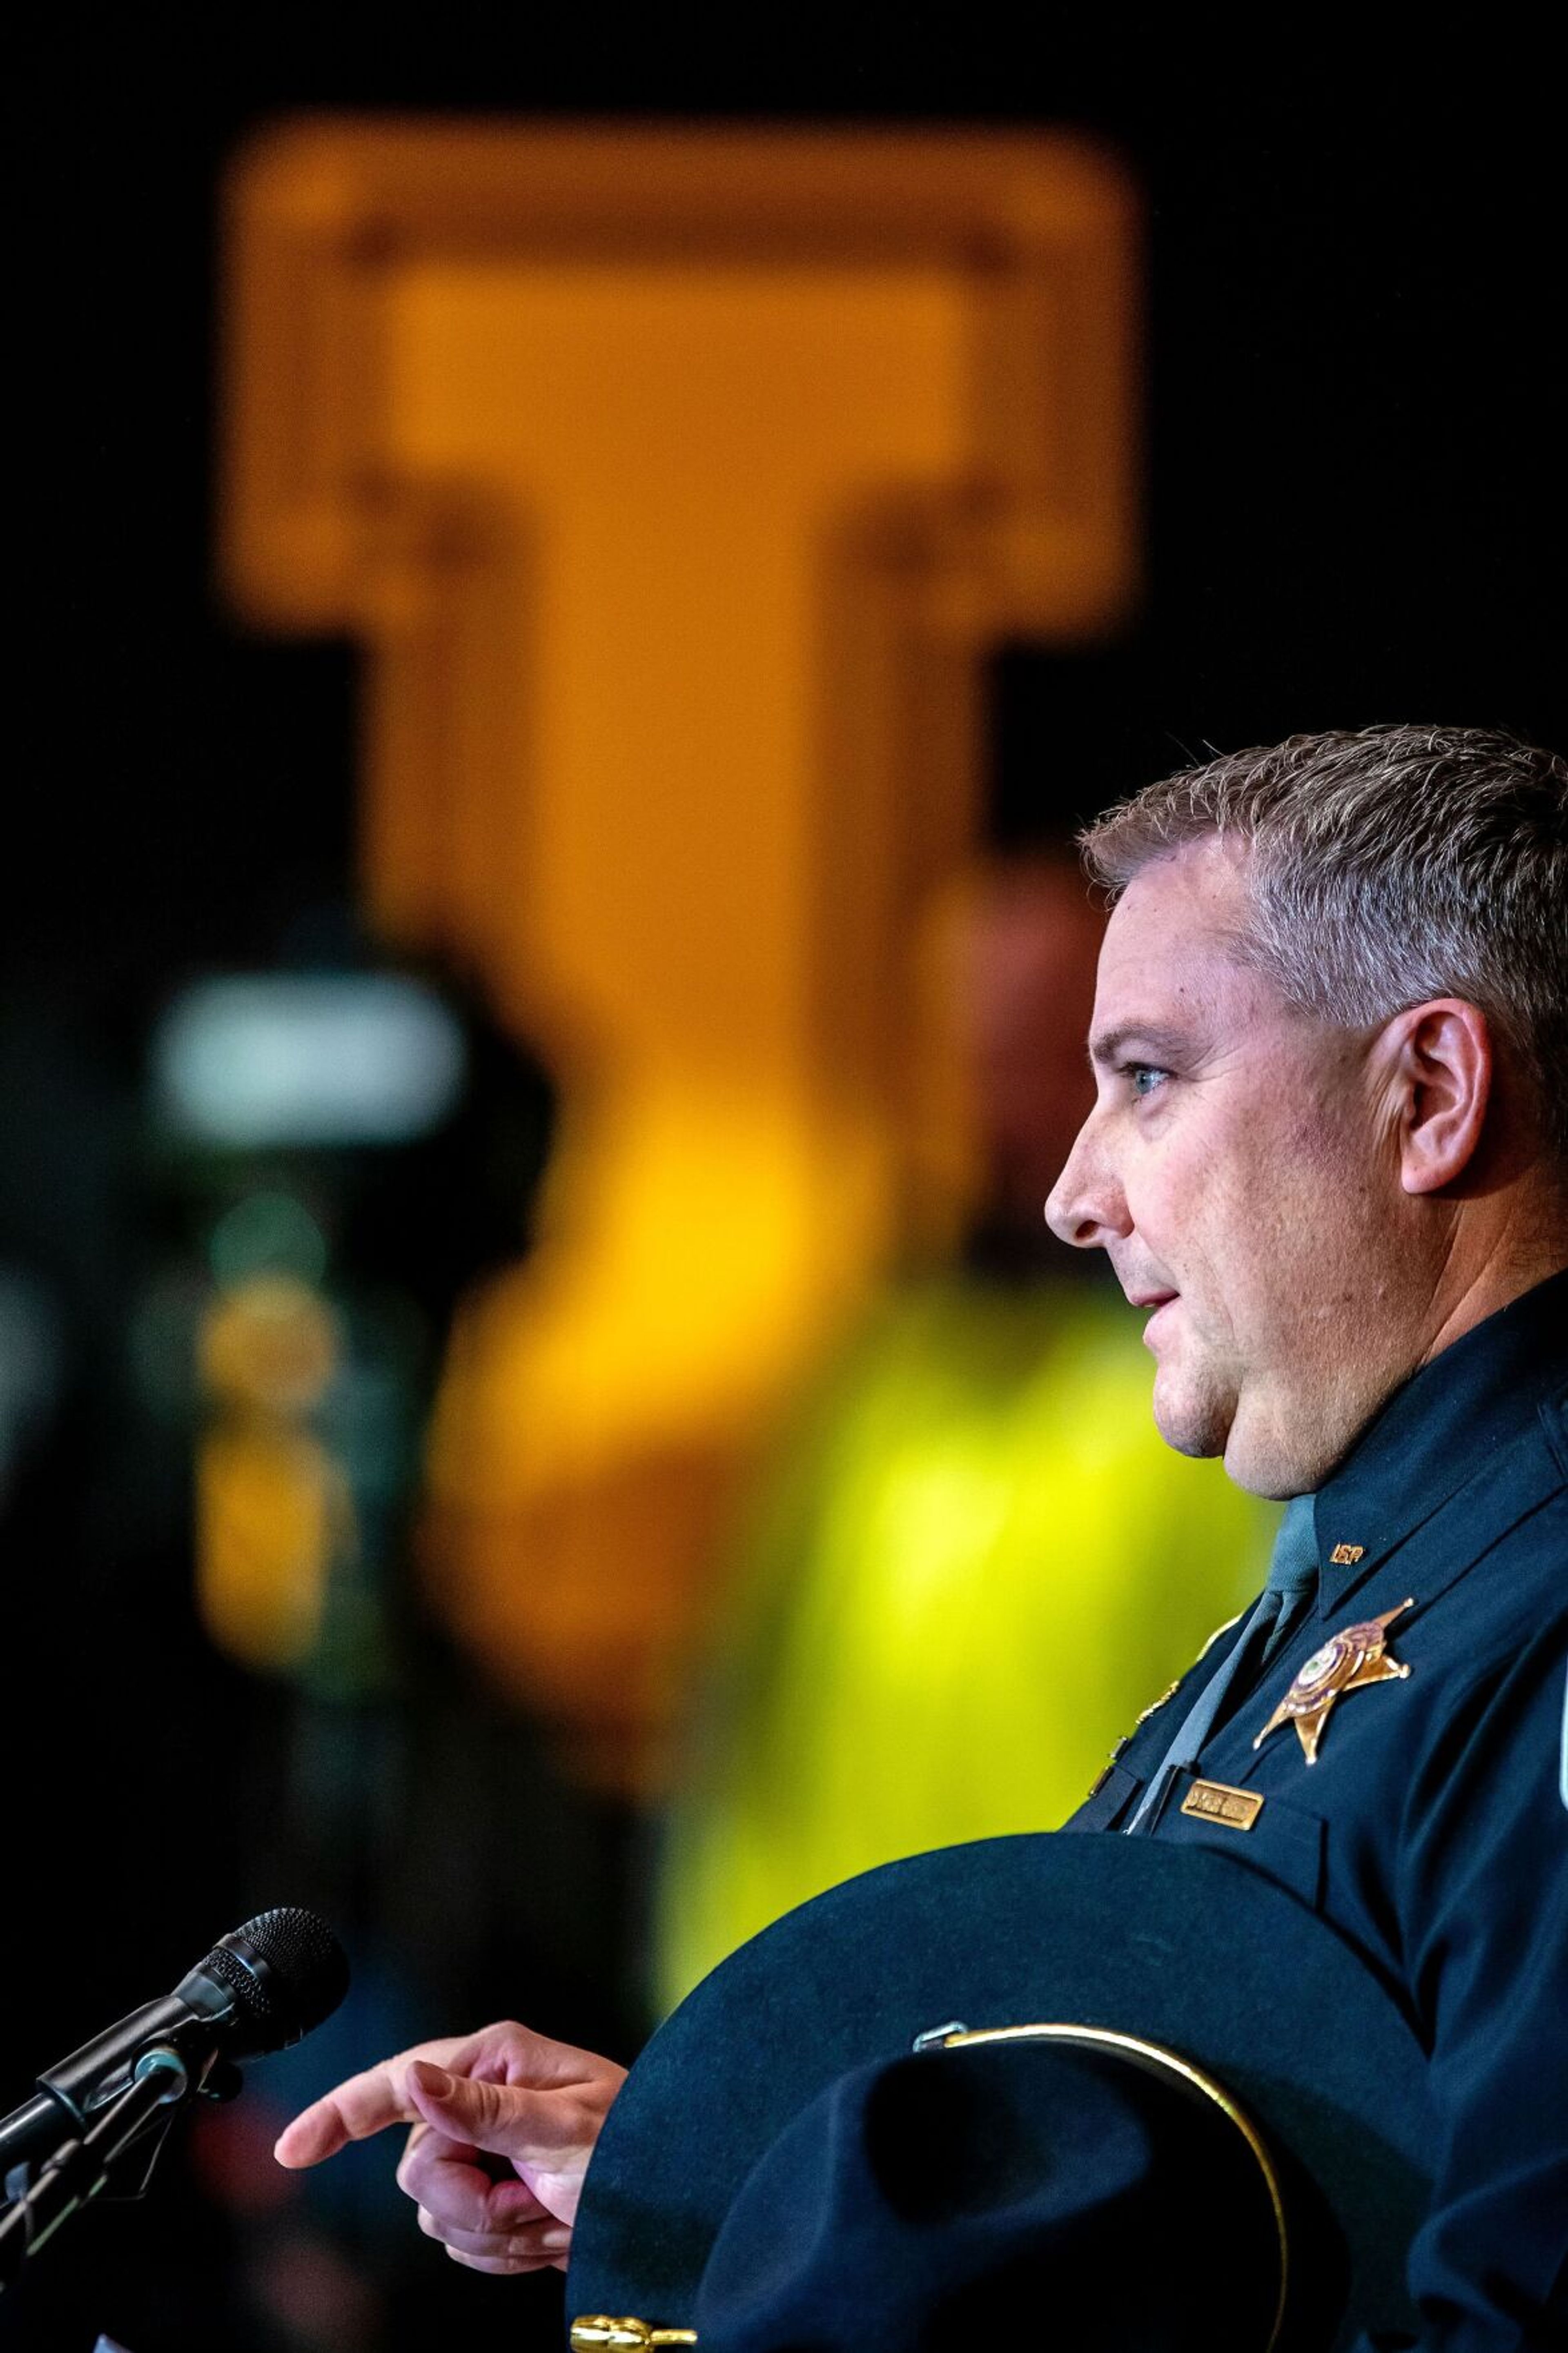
{"x": 1554, "y": 1422}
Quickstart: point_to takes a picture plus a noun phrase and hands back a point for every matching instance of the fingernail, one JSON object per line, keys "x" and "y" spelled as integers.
{"x": 434, "y": 2080}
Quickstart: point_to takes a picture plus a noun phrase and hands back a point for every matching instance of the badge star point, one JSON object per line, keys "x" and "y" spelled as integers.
{"x": 1350, "y": 1660}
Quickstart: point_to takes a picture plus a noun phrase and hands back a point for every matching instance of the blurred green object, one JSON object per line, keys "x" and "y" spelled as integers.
{"x": 973, "y": 1563}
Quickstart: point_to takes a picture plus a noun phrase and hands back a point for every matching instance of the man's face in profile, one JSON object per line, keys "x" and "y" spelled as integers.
{"x": 1233, "y": 1171}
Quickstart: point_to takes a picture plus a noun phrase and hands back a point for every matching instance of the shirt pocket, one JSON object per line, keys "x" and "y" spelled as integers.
{"x": 1285, "y": 1842}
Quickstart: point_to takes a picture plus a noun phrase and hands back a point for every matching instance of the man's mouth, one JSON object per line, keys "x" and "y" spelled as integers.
{"x": 1160, "y": 1300}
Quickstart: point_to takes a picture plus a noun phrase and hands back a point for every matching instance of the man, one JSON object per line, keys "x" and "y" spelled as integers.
{"x": 1329, "y": 1152}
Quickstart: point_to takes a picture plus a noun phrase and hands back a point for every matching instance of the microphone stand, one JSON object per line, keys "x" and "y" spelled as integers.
{"x": 80, "y": 2165}
{"x": 29, "y": 2132}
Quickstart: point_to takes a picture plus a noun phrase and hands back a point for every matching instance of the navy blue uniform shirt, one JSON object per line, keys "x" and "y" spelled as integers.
{"x": 1431, "y": 1831}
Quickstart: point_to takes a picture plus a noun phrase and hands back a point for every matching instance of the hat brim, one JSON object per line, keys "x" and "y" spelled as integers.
{"x": 1183, "y": 1946}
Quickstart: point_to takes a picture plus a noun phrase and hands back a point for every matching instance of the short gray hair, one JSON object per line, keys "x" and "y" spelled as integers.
{"x": 1389, "y": 865}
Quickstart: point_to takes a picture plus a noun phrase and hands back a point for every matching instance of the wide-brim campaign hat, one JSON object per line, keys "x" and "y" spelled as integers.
{"x": 1029, "y": 2066}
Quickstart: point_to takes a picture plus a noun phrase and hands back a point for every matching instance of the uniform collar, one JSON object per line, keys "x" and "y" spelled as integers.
{"x": 1449, "y": 1419}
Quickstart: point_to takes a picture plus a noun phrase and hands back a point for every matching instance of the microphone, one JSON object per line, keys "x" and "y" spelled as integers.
{"x": 261, "y": 1988}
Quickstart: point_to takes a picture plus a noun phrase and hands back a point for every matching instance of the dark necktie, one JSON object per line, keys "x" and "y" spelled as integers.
{"x": 1276, "y": 1615}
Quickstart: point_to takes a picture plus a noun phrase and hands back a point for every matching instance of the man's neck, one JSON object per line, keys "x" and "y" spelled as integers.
{"x": 1309, "y": 1436}
{"x": 1477, "y": 1282}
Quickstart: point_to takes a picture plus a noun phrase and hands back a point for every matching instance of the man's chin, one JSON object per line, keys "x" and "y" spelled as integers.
{"x": 1190, "y": 1419}
{"x": 1262, "y": 1443}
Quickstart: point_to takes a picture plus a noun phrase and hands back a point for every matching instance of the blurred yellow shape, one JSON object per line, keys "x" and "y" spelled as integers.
{"x": 273, "y": 1509}
{"x": 676, "y": 483}
{"x": 269, "y": 1343}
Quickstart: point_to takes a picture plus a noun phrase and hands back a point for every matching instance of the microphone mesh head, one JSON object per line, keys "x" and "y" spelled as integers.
{"x": 250, "y": 1994}
{"x": 286, "y": 1970}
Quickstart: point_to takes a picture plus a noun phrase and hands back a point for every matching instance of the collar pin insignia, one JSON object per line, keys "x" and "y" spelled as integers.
{"x": 1346, "y": 1556}
{"x": 1349, "y": 1661}
{"x": 1156, "y": 1704}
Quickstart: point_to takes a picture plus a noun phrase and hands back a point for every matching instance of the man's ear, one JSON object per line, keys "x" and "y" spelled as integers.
{"x": 1441, "y": 1072}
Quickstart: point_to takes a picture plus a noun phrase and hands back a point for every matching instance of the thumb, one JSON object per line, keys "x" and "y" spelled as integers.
{"x": 505, "y": 2119}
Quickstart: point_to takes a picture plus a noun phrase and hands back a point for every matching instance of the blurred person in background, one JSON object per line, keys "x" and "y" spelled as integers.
{"x": 349, "y": 1145}
{"x": 972, "y": 1560}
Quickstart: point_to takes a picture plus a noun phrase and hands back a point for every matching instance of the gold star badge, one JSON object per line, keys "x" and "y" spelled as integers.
{"x": 1348, "y": 1661}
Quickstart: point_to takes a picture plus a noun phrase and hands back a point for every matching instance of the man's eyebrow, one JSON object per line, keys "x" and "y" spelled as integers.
{"x": 1111, "y": 1045}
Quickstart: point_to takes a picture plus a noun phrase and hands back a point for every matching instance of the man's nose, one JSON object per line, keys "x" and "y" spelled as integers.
{"x": 1086, "y": 1207}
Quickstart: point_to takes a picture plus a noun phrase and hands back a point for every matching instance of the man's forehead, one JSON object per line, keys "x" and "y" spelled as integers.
{"x": 1202, "y": 884}
{"x": 1175, "y": 982}
{"x": 1171, "y": 941}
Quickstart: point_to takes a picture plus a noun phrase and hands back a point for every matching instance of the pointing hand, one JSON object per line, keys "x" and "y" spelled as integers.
{"x": 504, "y": 2092}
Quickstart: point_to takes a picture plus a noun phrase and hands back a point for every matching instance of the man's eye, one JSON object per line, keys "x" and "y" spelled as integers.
{"x": 1145, "y": 1079}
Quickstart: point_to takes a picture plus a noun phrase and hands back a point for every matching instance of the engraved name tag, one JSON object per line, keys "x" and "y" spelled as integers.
{"x": 1215, "y": 1801}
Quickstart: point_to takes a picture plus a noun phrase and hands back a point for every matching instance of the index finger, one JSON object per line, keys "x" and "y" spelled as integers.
{"x": 361, "y": 2106}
